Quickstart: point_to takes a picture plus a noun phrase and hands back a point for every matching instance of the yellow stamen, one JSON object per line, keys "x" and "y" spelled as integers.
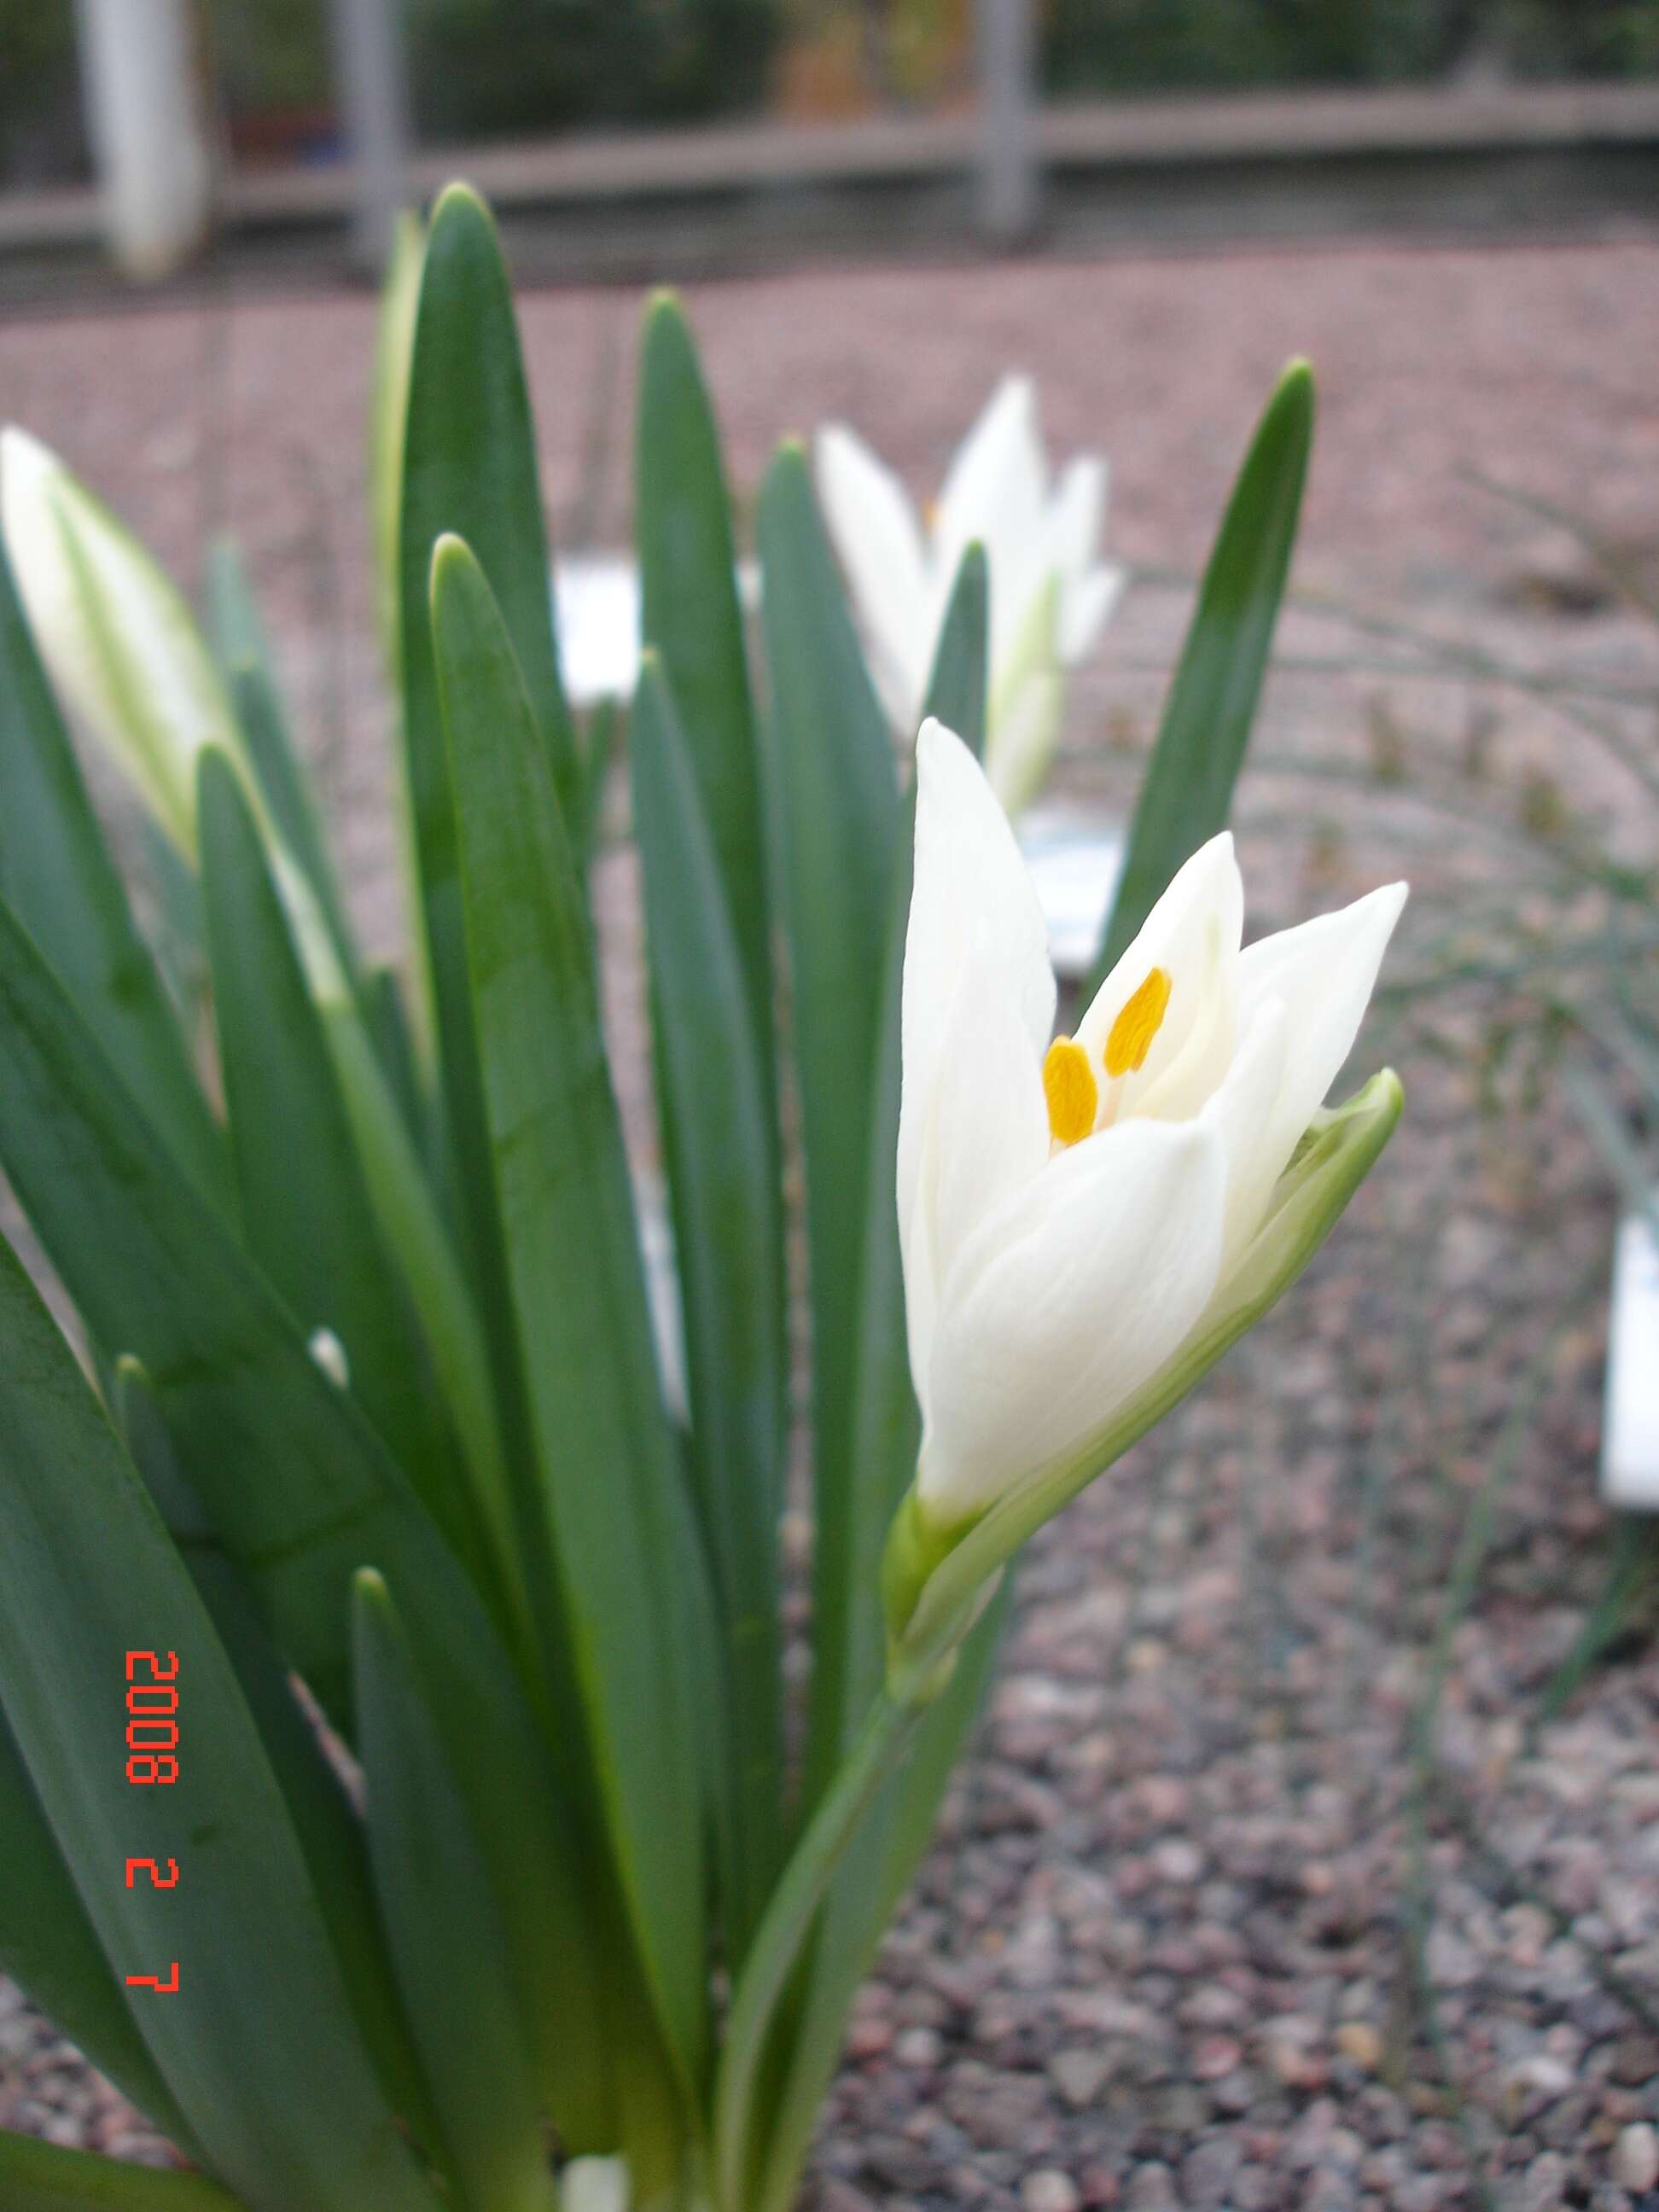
{"x": 1137, "y": 1025}
{"x": 1068, "y": 1084}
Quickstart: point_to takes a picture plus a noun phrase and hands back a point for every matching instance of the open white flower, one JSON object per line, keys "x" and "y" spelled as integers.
{"x": 120, "y": 644}
{"x": 1074, "y": 1210}
{"x": 1049, "y": 595}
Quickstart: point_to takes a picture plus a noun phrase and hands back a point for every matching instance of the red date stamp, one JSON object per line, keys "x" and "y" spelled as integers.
{"x": 153, "y": 1762}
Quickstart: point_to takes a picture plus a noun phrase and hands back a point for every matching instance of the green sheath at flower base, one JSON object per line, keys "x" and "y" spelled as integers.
{"x": 1088, "y": 1222}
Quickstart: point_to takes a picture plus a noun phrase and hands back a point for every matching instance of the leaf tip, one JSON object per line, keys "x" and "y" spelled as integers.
{"x": 460, "y": 202}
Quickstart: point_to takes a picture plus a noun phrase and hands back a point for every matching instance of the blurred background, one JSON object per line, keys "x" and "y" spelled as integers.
{"x": 1310, "y": 1852}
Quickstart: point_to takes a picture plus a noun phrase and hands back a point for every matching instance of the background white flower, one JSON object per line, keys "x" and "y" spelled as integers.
{"x": 1049, "y": 595}
{"x": 1070, "y": 1209}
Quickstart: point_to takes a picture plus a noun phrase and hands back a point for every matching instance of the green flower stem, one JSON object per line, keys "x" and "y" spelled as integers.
{"x": 888, "y": 1729}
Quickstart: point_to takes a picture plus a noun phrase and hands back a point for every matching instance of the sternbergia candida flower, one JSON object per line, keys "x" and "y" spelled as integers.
{"x": 1049, "y": 594}
{"x": 1077, "y": 1214}
{"x": 117, "y": 639}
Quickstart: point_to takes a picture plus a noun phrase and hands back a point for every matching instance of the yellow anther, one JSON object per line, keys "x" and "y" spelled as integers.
{"x": 1138, "y": 1022}
{"x": 1069, "y": 1086}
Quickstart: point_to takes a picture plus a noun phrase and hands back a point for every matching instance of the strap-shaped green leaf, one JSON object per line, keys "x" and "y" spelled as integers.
{"x": 257, "y": 2041}
{"x": 244, "y": 655}
{"x": 1188, "y": 787}
{"x": 39, "y": 2177}
{"x": 867, "y": 1887}
{"x": 691, "y": 615}
{"x": 330, "y": 1833}
{"x": 837, "y": 797}
{"x": 56, "y": 875}
{"x": 47, "y": 1945}
{"x": 400, "y": 296}
{"x": 298, "y": 1484}
{"x": 441, "y": 1922}
{"x": 306, "y": 1214}
{"x": 606, "y": 1459}
{"x": 469, "y": 466}
{"x": 886, "y": 1433}
{"x": 715, "y": 1103}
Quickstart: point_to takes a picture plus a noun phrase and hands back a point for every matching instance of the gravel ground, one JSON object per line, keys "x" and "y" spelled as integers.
{"x": 1269, "y": 1882}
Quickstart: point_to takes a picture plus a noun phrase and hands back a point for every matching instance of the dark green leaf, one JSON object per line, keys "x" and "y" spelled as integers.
{"x": 330, "y": 1833}
{"x": 306, "y": 1215}
{"x": 257, "y": 2043}
{"x": 244, "y": 657}
{"x": 838, "y": 803}
{"x": 47, "y": 1945}
{"x": 441, "y": 1920}
{"x": 39, "y": 2177}
{"x": 959, "y": 684}
{"x": 470, "y": 467}
{"x": 298, "y": 1484}
{"x": 608, "y": 1472}
{"x": 1188, "y": 787}
{"x": 713, "y": 1093}
{"x": 692, "y": 617}
{"x": 886, "y": 1433}
{"x": 58, "y": 877}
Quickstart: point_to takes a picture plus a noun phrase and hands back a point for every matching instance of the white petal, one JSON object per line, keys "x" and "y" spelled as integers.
{"x": 1192, "y": 934}
{"x": 973, "y": 913}
{"x": 118, "y": 640}
{"x": 1020, "y": 744}
{"x": 1076, "y": 1290}
{"x": 994, "y": 492}
{"x": 875, "y": 531}
{"x": 1323, "y": 972}
{"x": 991, "y": 1127}
{"x": 1240, "y": 1109}
{"x": 1076, "y": 512}
{"x": 1085, "y": 607}
{"x": 986, "y": 1137}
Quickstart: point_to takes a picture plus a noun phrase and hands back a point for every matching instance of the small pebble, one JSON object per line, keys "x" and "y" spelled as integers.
{"x": 1635, "y": 2160}
{"x": 1049, "y": 2190}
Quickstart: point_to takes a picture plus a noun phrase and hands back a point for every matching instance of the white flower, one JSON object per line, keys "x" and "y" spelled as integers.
{"x": 1048, "y": 594}
{"x": 118, "y": 642}
{"x": 1072, "y": 1212}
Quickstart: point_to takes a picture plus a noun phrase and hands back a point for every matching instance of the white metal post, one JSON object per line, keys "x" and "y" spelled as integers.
{"x": 1009, "y": 182}
{"x": 146, "y": 119}
{"x": 372, "y": 75}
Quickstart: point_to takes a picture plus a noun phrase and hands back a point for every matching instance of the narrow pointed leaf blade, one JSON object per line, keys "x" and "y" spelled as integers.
{"x": 837, "y": 798}
{"x": 959, "y": 687}
{"x": 48, "y": 1946}
{"x": 713, "y": 1093}
{"x": 469, "y": 465}
{"x": 886, "y": 1434}
{"x": 692, "y": 617}
{"x": 284, "y": 780}
{"x": 307, "y": 1214}
{"x": 257, "y": 2043}
{"x": 605, "y": 1449}
{"x": 1208, "y": 716}
{"x": 298, "y": 1484}
{"x": 329, "y": 1830}
{"x": 440, "y": 1919}
{"x": 56, "y": 874}
{"x": 41, "y": 2177}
